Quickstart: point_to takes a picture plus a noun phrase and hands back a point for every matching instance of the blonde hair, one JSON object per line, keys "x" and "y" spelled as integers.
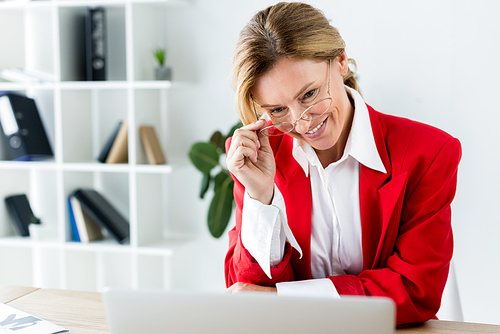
{"x": 287, "y": 29}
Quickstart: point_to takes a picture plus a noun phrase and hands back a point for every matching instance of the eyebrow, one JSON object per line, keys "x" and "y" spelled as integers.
{"x": 296, "y": 96}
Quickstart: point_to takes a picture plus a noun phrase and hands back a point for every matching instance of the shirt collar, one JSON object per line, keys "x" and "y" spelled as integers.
{"x": 360, "y": 143}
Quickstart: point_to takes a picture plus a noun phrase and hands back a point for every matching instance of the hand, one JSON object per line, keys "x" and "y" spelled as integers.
{"x": 247, "y": 287}
{"x": 250, "y": 158}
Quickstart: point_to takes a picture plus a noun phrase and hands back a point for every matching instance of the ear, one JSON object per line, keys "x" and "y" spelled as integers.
{"x": 343, "y": 63}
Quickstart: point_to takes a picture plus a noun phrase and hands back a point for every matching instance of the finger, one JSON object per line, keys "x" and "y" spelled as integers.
{"x": 243, "y": 133}
{"x": 238, "y": 159}
{"x": 246, "y": 142}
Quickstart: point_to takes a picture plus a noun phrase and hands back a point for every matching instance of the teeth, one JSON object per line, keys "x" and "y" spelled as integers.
{"x": 315, "y": 129}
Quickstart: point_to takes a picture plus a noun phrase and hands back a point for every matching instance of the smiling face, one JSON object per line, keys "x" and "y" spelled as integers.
{"x": 291, "y": 85}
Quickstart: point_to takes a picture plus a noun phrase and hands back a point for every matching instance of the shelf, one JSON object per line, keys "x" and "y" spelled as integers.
{"x": 164, "y": 248}
{"x": 22, "y": 4}
{"x": 79, "y": 117}
{"x": 27, "y": 165}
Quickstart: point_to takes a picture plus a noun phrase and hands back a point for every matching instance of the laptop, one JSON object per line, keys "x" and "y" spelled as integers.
{"x": 162, "y": 311}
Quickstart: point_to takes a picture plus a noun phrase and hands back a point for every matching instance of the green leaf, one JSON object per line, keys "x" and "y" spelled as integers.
{"x": 205, "y": 184}
{"x": 204, "y": 156}
{"x": 221, "y": 206}
{"x": 217, "y": 139}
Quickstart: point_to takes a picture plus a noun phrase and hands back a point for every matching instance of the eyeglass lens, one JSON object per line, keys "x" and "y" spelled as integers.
{"x": 316, "y": 110}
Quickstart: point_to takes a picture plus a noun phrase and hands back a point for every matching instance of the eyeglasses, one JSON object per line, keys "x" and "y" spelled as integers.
{"x": 314, "y": 111}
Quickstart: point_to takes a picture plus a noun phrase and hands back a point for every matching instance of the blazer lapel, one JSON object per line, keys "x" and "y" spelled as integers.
{"x": 381, "y": 201}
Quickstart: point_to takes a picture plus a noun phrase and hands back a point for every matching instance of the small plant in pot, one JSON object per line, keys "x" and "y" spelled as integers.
{"x": 162, "y": 72}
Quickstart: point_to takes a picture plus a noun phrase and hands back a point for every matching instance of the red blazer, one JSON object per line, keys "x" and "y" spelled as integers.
{"x": 405, "y": 219}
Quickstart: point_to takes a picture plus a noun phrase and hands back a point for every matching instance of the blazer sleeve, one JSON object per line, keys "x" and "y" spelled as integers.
{"x": 239, "y": 265}
{"x": 415, "y": 273}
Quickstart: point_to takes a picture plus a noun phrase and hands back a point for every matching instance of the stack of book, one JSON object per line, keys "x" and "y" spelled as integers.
{"x": 116, "y": 148}
{"x": 90, "y": 212}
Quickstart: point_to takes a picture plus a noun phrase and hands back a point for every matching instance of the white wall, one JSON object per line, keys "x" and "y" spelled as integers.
{"x": 432, "y": 61}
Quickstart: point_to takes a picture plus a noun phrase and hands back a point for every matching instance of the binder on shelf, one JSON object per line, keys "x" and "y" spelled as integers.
{"x": 104, "y": 213}
{"x": 109, "y": 143}
{"x": 88, "y": 230}
{"x": 20, "y": 209}
{"x": 23, "y": 129}
{"x": 152, "y": 145}
{"x": 119, "y": 150}
{"x": 95, "y": 36}
{"x": 74, "y": 230}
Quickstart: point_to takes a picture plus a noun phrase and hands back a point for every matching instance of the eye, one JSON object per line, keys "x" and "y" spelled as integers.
{"x": 278, "y": 112}
{"x": 309, "y": 94}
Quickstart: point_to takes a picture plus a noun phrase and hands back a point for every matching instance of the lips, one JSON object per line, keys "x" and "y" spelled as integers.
{"x": 317, "y": 131}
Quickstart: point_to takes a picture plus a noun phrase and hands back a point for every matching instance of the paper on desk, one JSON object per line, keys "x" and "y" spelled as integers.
{"x": 14, "y": 321}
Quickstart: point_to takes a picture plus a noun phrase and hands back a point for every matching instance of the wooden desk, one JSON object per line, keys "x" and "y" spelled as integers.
{"x": 79, "y": 312}
{"x": 83, "y": 312}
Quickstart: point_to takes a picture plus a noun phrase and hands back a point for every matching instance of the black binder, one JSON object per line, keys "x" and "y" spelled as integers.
{"x": 104, "y": 214}
{"x": 23, "y": 130}
{"x": 20, "y": 209}
{"x": 95, "y": 35}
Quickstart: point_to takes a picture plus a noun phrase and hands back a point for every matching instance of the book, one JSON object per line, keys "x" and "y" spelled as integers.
{"x": 20, "y": 210}
{"x": 104, "y": 213}
{"x": 119, "y": 150}
{"x": 95, "y": 40}
{"x": 109, "y": 143}
{"x": 87, "y": 228}
{"x": 13, "y": 320}
{"x": 23, "y": 130}
{"x": 152, "y": 145}
{"x": 74, "y": 230}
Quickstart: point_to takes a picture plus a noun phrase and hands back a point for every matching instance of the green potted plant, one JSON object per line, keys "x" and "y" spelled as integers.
{"x": 162, "y": 72}
{"x": 205, "y": 156}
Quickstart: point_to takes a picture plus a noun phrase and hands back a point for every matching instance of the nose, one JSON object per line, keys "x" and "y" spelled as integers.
{"x": 302, "y": 125}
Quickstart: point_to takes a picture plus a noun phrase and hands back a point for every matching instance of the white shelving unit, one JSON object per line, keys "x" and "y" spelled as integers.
{"x": 79, "y": 116}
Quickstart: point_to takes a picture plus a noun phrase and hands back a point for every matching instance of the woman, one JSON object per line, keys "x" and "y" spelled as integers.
{"x": 333, "y": 197}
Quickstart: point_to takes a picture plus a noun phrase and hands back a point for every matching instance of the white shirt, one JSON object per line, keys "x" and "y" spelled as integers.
{"x": 336, "y": 247}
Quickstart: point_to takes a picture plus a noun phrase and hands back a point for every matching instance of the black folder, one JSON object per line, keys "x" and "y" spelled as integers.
{"x": 25, "y": 137}
{"x": 20, "y": 209}
{"x": 95, "y": 35}
{"x": 104, "y": 213}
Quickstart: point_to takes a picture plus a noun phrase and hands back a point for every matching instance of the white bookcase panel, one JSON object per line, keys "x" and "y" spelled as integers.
{"x": 13, "y": 18}
{"x": 79, "y": 116}
{"x": 81, "y": 271}
{"x": 19, "y": 261}
{"x": 47, "y": 267}
{"x": 39, "y": 39}
{"x": 152, "y": 206}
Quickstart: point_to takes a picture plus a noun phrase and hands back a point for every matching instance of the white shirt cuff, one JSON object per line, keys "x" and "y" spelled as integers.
{"x": 322, "y": 287}
{"x": 264, "y": 230}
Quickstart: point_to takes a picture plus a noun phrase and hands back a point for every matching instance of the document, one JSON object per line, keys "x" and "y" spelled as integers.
{"x": 14, "y": 321}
